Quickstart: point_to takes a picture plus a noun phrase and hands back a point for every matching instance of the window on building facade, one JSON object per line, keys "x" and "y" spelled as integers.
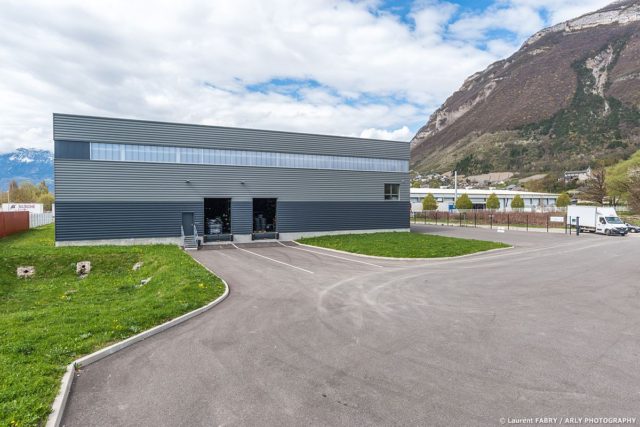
{"x": 392, "y": 191}
{"x": 210, "y": 156}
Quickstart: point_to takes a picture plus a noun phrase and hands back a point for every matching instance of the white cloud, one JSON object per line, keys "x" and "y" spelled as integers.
{"x": 562, "y": 10}
{"x": 343, "y": 67}
{"x": 401, "y": 134}
{"x": 519, "y": 20}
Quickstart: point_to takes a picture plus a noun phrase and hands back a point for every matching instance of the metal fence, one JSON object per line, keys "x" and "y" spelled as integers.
{"x": 13, "y": 222}
{"x": 526, "y": 221}
{"x": 40, "y": 219}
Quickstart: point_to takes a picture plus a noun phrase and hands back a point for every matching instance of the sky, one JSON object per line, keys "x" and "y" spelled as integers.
{"x": 365, "y": 68}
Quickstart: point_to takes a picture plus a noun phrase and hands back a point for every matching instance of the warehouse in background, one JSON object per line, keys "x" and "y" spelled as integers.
{"x": 122, "y": 181}
{"x": 446, "y": 199}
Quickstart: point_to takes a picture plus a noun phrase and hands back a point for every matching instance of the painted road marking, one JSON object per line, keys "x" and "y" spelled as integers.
{"x": 331, "y": 255}
{"x": 274, "y": 260}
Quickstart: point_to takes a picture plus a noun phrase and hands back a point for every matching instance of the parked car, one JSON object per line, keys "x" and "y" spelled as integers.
{"x": 632, "y": 228}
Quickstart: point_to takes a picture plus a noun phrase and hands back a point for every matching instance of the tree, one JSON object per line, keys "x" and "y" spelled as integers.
{"x": 563, "y": 200}
{"x": 618, "y": 177}
{"x": 633, "y": 190}
{"x": 493, "y": 202}
{"x": 415, "y": 184}
{"x": 429, "y": 203}
{"x": 434, "y": 183}
{"x": 47, "y": 200}
{"x": 26, "y": 192}
{"x": 517, "y": 202}
{"x": 595, "y": 188}
{"x": 43, "y": 188}
{"x": 464, "y": 202}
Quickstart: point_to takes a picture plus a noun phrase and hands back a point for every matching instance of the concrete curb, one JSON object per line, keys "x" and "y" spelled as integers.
{"x": 60, "y": 402}
{"x": 405, "y": 259}
{"x": 531, "y": 229}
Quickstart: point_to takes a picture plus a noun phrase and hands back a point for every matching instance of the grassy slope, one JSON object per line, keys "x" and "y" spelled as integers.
{"x": 48, "y": 321}
{"x": 402, "y": 245}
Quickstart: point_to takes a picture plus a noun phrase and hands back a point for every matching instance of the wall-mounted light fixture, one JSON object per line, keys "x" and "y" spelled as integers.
{"x": 187, "y": 181}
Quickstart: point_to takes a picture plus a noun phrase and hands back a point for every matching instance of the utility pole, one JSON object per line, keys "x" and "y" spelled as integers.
{"x": 455, "y": 187}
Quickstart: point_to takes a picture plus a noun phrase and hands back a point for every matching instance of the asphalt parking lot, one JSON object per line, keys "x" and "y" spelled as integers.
{"x": 310, "y": 337}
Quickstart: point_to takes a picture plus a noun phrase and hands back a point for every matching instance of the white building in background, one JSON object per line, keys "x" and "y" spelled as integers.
{"x": 17, "y": 207}
{"x": 446, "y": 198}
{"x": 580, "y": 176}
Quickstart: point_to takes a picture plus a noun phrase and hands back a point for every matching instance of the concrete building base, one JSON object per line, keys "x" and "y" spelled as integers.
{"x": 237, "y": 238}
{"x": 123, "y": 242}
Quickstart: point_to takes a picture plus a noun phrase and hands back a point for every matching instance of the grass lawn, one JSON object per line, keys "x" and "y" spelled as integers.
{"x": 402, "y": 245}
{"x": 48, "y": 321}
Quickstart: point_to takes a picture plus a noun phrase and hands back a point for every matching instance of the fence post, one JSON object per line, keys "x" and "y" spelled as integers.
{"x": 436, "y": 217}
{"x": 447, "y": 218}
{"x": 527, "y": 222}
{"x": 475, "y": 219}
{"x": 547, "y": 223}
{"x": 491, "y": 218}
{"x": 459, "y": 219}
{"x": 508, "y": 222}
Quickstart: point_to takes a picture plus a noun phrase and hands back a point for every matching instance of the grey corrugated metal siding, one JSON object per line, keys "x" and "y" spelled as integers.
{"x": 118, "y": 220}
{"x": 329, "y": 216}
{"x": 241, "y": 217}
{"x": 100, "y": 129}
{"x": 78, "y": 180}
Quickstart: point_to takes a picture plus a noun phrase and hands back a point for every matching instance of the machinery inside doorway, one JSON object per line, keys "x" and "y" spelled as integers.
{"x": 217, "y": 220}
{"x": 264, "y": 219}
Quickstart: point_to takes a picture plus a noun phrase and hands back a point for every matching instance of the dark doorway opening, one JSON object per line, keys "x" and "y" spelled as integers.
{"x": 264, "y": 219}
{"x": 217, "y": 220}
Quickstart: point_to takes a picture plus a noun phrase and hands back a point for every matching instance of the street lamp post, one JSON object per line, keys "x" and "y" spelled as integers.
{"x": 455, "y": 187}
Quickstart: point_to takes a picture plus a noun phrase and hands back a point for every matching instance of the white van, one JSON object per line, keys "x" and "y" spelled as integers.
{"x": 596, "y": 219}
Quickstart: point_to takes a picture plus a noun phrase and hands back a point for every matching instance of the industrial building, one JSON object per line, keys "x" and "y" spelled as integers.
{"x": 446, "y": 198}
{"x": 122, "y": 181}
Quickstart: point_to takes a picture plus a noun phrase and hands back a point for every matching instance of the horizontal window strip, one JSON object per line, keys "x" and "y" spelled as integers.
{"x": 211, "y": 156}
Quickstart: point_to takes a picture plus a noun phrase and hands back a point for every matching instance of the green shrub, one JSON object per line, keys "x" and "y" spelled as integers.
{"x": 517, "y": 202}
{"x": 563, "y": 200}
{"x": 429, "y": 203}
{"x": 493, "y": 202}
{"x": 464, "y": 202}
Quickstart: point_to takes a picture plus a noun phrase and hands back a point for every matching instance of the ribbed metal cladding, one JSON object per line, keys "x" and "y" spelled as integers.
{"x": 100, "y": 129}
{"x": 241, "y": 217}
{"x": 334, "y": 216}
{"x": 78, "y": 180}
{"x": 123, "y": 220}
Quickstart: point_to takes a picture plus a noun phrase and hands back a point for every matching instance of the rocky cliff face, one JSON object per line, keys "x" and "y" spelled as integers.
{"x": 569, "y": 96}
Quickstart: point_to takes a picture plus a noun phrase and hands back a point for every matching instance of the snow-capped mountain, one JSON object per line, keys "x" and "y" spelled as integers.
{"x": 26, "y": 164}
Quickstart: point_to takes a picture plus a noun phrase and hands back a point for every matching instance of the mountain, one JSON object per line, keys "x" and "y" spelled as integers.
{"x": 26, "y": 164}
{"x": 568, "y": 97}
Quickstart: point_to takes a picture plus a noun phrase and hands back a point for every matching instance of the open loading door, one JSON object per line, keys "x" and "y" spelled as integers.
{"x": 265, "y": 219}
